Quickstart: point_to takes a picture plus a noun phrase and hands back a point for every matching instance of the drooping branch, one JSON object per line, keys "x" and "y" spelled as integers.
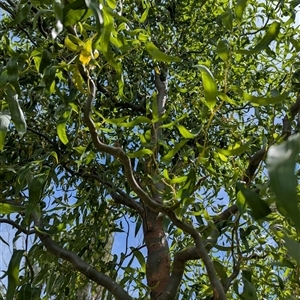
{"x": 81, "y": 266}
{"x": 257, "y": 158}
{"x": 19, "y": 227}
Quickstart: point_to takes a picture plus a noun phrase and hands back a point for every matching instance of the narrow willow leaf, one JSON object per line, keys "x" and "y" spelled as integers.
{"x": 140, "y": 153}
{"x": 74, "y": 12}
{"x": 221, "y": 270}
{"x": 4, "y": 124}
{"x": 174, "y": 150}
{"x": 210, "y": 86}
{"x": 270, "y": 36}
{"x": 22, "y": 14}
{"x": 223, "y": 50}
{"x": 136, "y": 121}
{"x": 281, "y": 166}
{"x": 144, "y": 16}
{"x": 178, "y": 179}
{"x": 46, "y": 60}
{"x": 259, "y": 208}
{"x": 58, "y": 27}
{"x": 16, "y": 112}
{"x": 188, "y": 189}
{"x": 73, "y": 43}
{"x": 159, "y": 55}
{"x": 112, "y": 4}
{"x": 239, "y": 9}
{"x": 96, "y": 9}
{"x": 259, "y": 101}
{"x": 36, "y": 190}
{"x": 13, "y": 273}
{"x": 62, "y": 132}
{"x": 293, "y": 248}
{"x": 236, "y": 151}
{"x": 7, "y": 208}
{"x": 185, "y": 133}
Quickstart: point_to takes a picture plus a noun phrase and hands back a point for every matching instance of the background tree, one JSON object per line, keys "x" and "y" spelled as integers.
{"x": 158, "y": 118}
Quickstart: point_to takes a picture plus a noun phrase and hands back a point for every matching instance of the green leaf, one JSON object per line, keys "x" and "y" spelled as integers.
{"x": 188, "y": 189}
{"x": 293, "y": 248}
{"x": 185, "y": 133}
{"x": 46, "y": 60}
{"x": 140, "y": 153}
{"x": 36, "y": 190}
{"x": 223, "y": 50}
{"x": 59, "y": 15}
{"x": 281, "y": 160}
{"x": 16, "y": 112}
{"x": 22, "y": 14}
{"x": 210, "y": 86}
{"x": 141, "y": 259}
{"x": 260, "y": 101}
{"x": 235, "y": 151}
{"x": 95, "y": 8}
{"x": 136, "y": 121}
{"x": 159, "y": 55}
{"x": 259, "y": 208}
{"x": 174, "y": 150}
{"x": 13, "y": 273}
{"x": 249, "y": 291}
{"x": 7, "y": 208}
{"x": 62, "y": 131}
{"x": 144, "y": 16}
{"x": 239, "y": 9}
{"x": 270, "y": 35}
{"x": 13, "y": 73}
{"x": 227, "y": 19}
{"x": 221, "y": 270}
{"x": 74, "y": 12}
{"x": 4, "y": 124}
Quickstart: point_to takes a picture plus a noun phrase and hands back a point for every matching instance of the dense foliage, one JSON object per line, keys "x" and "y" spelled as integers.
{"x": 172, "y": 120}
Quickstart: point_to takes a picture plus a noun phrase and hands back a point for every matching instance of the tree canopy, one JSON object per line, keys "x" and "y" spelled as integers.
{"x": 174, "y": 121}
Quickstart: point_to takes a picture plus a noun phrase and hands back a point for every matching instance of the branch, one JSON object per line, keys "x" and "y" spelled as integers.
{"x": 117, "y": 152}
{"x": 260, "y": 155}
{"x": 82, "y": 266}
{"x": 118, "y": 195}
{"x": 20, "y": 228}
{"x": 198, "y": 252}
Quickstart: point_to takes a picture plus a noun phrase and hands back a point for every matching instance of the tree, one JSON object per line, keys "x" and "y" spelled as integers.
{"x": 175, "y": 120}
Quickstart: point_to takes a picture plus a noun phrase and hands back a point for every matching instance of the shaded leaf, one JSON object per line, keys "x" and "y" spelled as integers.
{"x": 13, "y": 273}
{"x": 235, "y": 151}
{"x": 16, "y": 112}
{"x": 259, "y": 208}
{"x": 74, "y": 12}
{"x": 293, "y": 248}
{"x": 174, "y": 150}
{"x": 281, "y": 161}
{"x": 7, "y": 208}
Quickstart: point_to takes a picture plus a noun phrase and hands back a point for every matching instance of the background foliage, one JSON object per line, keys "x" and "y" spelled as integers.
{"x": 217, "y": 163}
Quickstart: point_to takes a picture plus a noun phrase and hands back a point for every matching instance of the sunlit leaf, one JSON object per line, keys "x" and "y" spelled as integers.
{"x": 185, "y": 133}
{"x": 144, "y": 16}
{"x": 239, "y": 9}
{"x": 158, "y": 54}
{"x": 7, "y": 208}
{"x": 140, "y": 153}
{"x": 235, "y": 151}
{"x": 4, "y": 124}
{"x": 210, "y": 86}
{"x": 269, "y": 36}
